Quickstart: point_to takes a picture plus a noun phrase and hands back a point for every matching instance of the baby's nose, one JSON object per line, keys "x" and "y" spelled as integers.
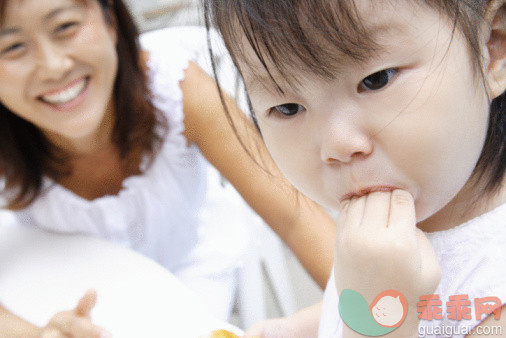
{"x": 343, "y": 141}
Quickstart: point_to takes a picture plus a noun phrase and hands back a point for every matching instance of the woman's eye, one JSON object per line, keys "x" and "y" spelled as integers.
{"x": 13, "y": 49}
{"x": 378, "y": 80}
{"x": 66, "y": 27}
{"x": 287, "y": 109}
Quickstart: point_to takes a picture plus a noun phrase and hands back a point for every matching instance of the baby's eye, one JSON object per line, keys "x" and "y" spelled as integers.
{"x": 287, "y": 109}
{"x": 377, "y": 80}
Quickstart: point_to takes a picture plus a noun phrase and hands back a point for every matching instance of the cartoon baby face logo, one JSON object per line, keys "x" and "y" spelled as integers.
{"x": 385, "y": 314}
{"x": 389, "y": 308}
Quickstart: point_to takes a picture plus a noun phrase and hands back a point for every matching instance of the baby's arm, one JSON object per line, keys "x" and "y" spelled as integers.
{"x": 14, "y": 326}
{"x": 302, "y": 324}
{"x": 71, "y": 323}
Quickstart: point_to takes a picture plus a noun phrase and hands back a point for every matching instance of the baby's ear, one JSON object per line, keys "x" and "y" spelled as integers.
{"x": 495, "y": 54}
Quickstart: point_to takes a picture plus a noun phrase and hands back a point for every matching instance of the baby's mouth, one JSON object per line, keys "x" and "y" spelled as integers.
{"x": 365, "y": 191}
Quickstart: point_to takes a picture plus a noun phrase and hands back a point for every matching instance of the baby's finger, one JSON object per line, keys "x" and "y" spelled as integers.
{"x": 253, "y": 332}
{"x": 53, "y": 333}
{"x": 341, "y": 217}
{"x": 402, "y": 212}
{"x": 430, "y": 264}
{"x": 376, "y": 210}
{"x": 86, "y": 303}
{"x": 355, "y": 212}
{"x": 76, "y": 326}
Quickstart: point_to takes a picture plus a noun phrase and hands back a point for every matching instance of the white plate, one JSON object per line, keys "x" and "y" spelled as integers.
{"x": 43, "y": 273}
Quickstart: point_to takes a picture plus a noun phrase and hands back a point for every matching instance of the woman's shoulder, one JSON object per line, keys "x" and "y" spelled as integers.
{"x": 171, "y": 50}
{"x": 168, "y": 53}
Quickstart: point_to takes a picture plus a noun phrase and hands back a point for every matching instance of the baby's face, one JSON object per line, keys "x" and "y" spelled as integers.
{"x": 419, "y": 123}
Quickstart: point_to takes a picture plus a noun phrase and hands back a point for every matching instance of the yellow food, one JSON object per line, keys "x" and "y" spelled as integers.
{"x": 223, "y": 334}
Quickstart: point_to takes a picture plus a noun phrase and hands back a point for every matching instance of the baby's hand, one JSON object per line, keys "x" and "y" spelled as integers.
{"x": 76, "y": 322}
{"x": 379, "y": 248}
{"x": 272, "y": 328}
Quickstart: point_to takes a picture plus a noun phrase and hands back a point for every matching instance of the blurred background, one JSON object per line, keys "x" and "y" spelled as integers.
{"x": 272, "y": 282}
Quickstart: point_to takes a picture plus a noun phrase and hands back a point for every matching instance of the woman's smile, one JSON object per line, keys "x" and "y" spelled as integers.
{"x": 68, "y": 97}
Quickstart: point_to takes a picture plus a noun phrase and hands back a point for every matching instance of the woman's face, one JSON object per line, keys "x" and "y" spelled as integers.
{"x": 58, "y": 65}
{"x": 418, "y": 124}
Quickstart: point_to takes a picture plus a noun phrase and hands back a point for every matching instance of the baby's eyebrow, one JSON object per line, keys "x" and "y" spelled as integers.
{"x": 257, "y": 79}
{"x": 383, "y": 28}
{"x": 262, "y": 83}
{"x": 257, "y": 82}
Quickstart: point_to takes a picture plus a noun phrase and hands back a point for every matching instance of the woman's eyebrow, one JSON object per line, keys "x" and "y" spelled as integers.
{"x": 57, "y": 11}
{"x": 47, "y": 17}
{"x": 8, "y": 31}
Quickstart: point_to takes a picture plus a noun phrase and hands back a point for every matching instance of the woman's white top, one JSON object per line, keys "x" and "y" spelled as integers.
{"x": 158, "y": 213}
{"x": 472, "y": 258}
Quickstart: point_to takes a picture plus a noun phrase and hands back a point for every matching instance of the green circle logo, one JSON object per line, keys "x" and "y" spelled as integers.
{"x": 385, "y": 314}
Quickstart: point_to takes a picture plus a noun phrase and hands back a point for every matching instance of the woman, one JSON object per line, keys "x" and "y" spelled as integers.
{"x": 103, "y": 138}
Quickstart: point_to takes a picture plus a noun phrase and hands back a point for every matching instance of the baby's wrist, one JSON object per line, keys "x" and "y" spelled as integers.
{"x": 290, "y": 324}
{"x": 35, "y": 331}
{"x": 409, "y": 328}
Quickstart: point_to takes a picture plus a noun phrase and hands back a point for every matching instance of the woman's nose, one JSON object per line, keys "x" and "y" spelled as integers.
{"x": 53, "y": 62}
{"x": 343, "y": 141}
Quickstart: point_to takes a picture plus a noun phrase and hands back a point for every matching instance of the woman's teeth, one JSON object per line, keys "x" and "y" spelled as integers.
{"x": 66, "y": 95}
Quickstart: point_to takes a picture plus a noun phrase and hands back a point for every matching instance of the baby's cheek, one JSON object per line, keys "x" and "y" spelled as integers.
{"x": 311, "y": 187}
{"x": 307, "y": 185}
{"x": 296, "y": 169}
{"x": 298, "y": 160}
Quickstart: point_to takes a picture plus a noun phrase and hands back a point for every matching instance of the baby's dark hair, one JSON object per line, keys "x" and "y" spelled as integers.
{"x": 319, "y": 32}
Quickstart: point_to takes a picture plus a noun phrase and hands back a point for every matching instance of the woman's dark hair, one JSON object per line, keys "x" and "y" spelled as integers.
{"x": 26, "y": 155}
{"x": 336, "y": 30}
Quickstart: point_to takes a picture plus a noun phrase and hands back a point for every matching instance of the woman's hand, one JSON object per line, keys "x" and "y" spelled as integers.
{"x": 76, "y": 322}
{"x": 379, "y": 248}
